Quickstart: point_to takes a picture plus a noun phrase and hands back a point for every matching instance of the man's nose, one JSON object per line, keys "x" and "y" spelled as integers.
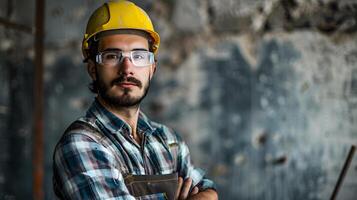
{"x": 126, "y": 66}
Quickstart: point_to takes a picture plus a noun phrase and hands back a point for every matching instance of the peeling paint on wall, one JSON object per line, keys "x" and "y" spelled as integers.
{"x": 264, "y": 92}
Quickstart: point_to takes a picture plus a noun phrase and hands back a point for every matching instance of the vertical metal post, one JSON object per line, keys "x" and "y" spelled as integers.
{"x": 38, "y": 155}
{"x": 343, "y": 172}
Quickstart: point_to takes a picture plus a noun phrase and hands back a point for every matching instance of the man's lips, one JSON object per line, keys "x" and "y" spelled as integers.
{"x": 126, "y": 84}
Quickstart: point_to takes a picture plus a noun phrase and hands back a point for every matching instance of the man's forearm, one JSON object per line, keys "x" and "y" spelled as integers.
{"x": 206, "y": 194}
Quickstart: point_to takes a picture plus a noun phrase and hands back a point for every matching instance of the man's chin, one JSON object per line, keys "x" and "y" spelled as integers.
{"x": 123, "y": 93}
{"x": 118, "y": 97}
{"x": 123, "y": 100}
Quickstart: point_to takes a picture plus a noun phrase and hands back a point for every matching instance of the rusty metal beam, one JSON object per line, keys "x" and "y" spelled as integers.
{"x": 38, "y": 145}
{"x": 16, "y": 26}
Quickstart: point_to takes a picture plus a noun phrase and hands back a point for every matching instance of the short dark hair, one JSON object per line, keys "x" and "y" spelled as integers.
{"x": 92, "y": 52}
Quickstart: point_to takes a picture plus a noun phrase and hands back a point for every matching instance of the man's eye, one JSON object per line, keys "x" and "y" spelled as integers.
{"x": 138, "y": 56}
{"x": 111, "y": 56}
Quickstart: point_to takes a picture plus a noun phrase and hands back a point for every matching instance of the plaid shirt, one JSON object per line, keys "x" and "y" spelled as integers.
{"x": 89, "y": 165}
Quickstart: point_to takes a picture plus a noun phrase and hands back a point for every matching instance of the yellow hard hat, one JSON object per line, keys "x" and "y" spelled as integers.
{"x": 119, "y": 14}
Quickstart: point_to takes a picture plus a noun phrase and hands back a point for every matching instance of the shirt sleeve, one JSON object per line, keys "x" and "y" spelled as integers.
{"x": 87, "y": 170}
{"x": 186, "y": 168}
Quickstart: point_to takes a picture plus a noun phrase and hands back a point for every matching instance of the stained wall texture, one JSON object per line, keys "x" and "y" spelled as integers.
{"x": 264, "y": 92}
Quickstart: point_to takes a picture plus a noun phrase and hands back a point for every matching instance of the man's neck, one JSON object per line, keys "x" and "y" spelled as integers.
{"x": 128, "y": 114}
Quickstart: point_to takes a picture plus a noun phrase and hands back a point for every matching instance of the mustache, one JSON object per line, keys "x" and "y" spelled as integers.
{"x": 130, "y": 79}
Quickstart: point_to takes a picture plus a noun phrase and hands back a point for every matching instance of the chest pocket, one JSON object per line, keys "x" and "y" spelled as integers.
{"x": 174, "y": 149}
{"x": 90, "y": 129}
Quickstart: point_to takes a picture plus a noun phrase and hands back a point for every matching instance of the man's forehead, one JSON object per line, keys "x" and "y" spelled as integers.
{"x": 123, "y": 32}
{"x": 125, "y": 42}
{"x": 126, "y": 39}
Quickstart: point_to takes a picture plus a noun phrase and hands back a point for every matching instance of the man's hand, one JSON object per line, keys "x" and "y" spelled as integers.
{"x": 208, "y": 194}
{"x": 183, "y": 189}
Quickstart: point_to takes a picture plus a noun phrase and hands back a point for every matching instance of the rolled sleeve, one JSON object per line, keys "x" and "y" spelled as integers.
{"x": 186, "y": 169}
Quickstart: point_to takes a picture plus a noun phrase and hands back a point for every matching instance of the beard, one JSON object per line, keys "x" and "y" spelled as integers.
{"x": 125, "y": 99}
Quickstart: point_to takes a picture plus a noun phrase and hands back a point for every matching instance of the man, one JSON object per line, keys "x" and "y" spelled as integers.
{"x": 115, "y": 151}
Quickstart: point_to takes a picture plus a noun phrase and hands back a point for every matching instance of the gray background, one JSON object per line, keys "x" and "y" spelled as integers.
{"x": 263, "y": 91}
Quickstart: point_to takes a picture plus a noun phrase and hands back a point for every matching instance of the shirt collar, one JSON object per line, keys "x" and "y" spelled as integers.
{"x": 113, "y": 123}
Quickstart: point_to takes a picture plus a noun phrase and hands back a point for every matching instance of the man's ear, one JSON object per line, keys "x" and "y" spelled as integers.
{"x": 91, "y": 68}
{"x": 153, "y": 69}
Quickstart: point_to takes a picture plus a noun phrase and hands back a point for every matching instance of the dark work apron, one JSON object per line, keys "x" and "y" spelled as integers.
{"x": 141, "y": 185}
{"x": 138, "y": 185}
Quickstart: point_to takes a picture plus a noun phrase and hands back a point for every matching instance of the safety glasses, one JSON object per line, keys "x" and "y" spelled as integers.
{"x": 139, "y": 58}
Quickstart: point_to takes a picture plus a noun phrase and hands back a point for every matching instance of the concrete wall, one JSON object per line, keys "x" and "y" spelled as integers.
{"x": 264, "y": 92}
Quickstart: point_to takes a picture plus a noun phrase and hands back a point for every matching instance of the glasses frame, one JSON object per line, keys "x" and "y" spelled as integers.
{"x": 128, "y": 54}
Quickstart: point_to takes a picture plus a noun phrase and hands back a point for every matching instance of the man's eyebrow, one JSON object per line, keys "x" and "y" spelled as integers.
{"x": 112, "y": 49}
{"x": 140, "y": 49}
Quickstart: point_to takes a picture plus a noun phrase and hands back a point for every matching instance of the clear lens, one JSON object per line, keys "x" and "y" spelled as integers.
{"x": 141, "y": 58}
{"x": 110, "y": 58}
{"x": 138, "y": 58}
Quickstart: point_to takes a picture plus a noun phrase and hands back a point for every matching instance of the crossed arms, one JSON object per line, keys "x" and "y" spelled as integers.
{"x": 88, "y": 170}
